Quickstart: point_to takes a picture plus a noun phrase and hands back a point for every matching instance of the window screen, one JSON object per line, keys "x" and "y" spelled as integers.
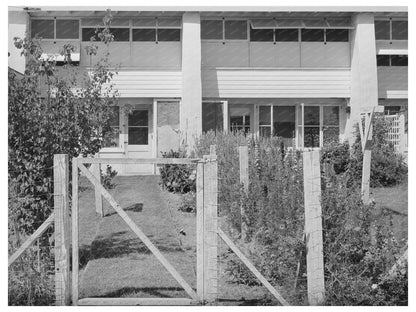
{"x": 168, "y": 34}
{"x": 311, "y": 126}
{"x": 330, "y": 129}
{"x": 67, "y": 29}
{"x": 144, "y": 34}
{"x": 43, "y": 28}
{"x": 284, "y": 123}
{"x": 399, "y": 30}
{"x": 337, "y": 35}
{"x": 312, "y": 35}
{"x": 286, "y": 35}
{"x": 120, "y": 34}
{"x": 88, "y": 33}
{"x": 235, "y": 30}
{"x": 383, "y": 60}
{"x": 399, "y": 60}
{"x": 211, "y": 29}
{"x": 212, "y": 116}
{"x": 113, "y": 140}
{"x": 138, "y": 129}
{"x": 263, "y": 35}
{"x": 382, "y": 30}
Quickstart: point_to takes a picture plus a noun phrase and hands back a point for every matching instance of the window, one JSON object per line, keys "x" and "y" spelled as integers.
{"x": 138, "y": 127}
{"x": 261, "y": 35}
{"x": 212, "y": 116}
{"x": 265, "y": 121}
{"x": 312, "y": 35}
{"x": 287, "y": 35}
{"x": 284, "y": 123}
{"x": 67, "y": 29}
{"x": 113, "y": 140}
{"x": 235, "y": 30}
{"x": 336, "y": 35}
{"x": 239, "y": 118}
{"x": 168, "y": 34}
{"x": 144, "y": 34}
{"x": 119, "y": 34}
{"x": 45, "y": 28}
{"x": 330, "y": 127}
{"x": 391, "y": 30}
{"x": 155, "y": 30}
{"x": 392, "y": 60}
{"x": 318, "y": 125}
{"x": 223, "y": 30}
{"x": 211, "y": 30}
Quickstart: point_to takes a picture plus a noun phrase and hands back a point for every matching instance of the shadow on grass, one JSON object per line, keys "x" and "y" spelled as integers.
{"x": 118, "y": 245}
{"x": 158, "y": 292}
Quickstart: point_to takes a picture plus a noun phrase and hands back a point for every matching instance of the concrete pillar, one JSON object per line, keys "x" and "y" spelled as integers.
{"x": 18, "y": 25}
{"x": 191, "y": 106}
{"x": 364, "y": 89}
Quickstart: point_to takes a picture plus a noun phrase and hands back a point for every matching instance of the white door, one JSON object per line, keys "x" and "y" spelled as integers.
{"x": 139, "y": 124}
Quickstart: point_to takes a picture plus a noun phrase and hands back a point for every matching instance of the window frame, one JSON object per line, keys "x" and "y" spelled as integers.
{"x": 391, "y": 20}
{"x": 223, "y": 19}
{"x": 54, "y": 39}
{"x": 147, "y": 127}
{"x": 156, "y": 28}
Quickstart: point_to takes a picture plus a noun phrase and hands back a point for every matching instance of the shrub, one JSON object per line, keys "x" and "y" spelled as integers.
{"x": 275, "y": 217}
{"x": 188, "y": 202}
{"x": 107, "y": 178}
{"x": 177, "y": 178}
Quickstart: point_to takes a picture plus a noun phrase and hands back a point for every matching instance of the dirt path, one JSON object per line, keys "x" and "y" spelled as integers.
{"x": 117, "y": 263}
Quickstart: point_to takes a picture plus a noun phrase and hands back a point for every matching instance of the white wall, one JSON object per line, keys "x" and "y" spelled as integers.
{"x": 17, "y": 28}
{"x": 269, "y": 83}
{"x": 392, "y": 82}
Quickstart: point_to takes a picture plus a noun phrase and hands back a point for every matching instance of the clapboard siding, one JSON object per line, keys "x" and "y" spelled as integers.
{"x": 150, "y": 83}
{"x": 263, "y": 83}
{"x": 392, "y": 82}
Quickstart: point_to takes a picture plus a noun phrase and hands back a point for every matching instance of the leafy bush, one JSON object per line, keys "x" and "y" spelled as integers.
{"x": 107, "y": 178}
{"x": 188, "y": 202}
{"x": 387, "y": 167}
{"x": 177, "y": 178}
{"x": 275, "y": 218}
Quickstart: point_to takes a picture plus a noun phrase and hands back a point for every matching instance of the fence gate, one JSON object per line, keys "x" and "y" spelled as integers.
{"x": 206, "y": 234}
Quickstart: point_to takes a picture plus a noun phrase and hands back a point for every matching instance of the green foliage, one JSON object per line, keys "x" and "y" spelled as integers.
{"x": 188, "y": 202}
{"x": 52, "y": 111}
{"x": 107, "y": 178}
{"x": 275, "y": 218}
{"x": 387, "y": 167}
{"x": 177, "y": 178}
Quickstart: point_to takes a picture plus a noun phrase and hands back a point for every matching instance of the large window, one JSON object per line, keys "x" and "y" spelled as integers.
{"x": 392, "y": 60}
{"x": 55, "y": 28}
{"x": 224, "y": 30}
{"x": 391, "y": 29}
{"x": 278, "y": 121}
{"x": 142, "y": 30}
{"x": 212, "y": 116}
{"x": 138, "y": 127}
{"x": 113, "y": 140}
{"x": 239, "y": 118}
{"x": 318, "y": 125}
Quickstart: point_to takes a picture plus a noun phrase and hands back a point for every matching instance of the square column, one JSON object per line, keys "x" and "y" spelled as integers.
{"x": 191, "y": 105}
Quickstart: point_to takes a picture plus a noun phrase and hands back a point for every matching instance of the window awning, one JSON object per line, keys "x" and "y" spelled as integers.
{"x": 301, "y": 23}
{"x": 263, "y": 24}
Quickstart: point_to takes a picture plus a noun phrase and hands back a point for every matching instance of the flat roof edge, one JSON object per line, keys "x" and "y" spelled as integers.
{"x": 222, "y": 8}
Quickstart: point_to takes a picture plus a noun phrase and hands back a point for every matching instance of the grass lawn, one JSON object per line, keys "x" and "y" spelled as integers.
{"x": 392, "y": 204}
{"x": 115, "y": 263}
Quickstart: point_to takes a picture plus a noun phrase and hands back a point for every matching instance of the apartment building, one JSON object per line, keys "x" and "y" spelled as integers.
{"x": 301, "y": 75}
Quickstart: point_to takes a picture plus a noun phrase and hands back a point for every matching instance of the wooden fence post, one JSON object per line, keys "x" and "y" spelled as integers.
{"x": 96, "y": 170}
{"x": 213, "y": 149}
{"x": 75, "y": 245}
{"x": 207, "y": 225}
{"x": 62, "y": 229}
{"x": 243, "y": 157}
{"x": 367, "y": 146}
{"x": 313, "y": 227}
{"x": 200, "y": 230}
